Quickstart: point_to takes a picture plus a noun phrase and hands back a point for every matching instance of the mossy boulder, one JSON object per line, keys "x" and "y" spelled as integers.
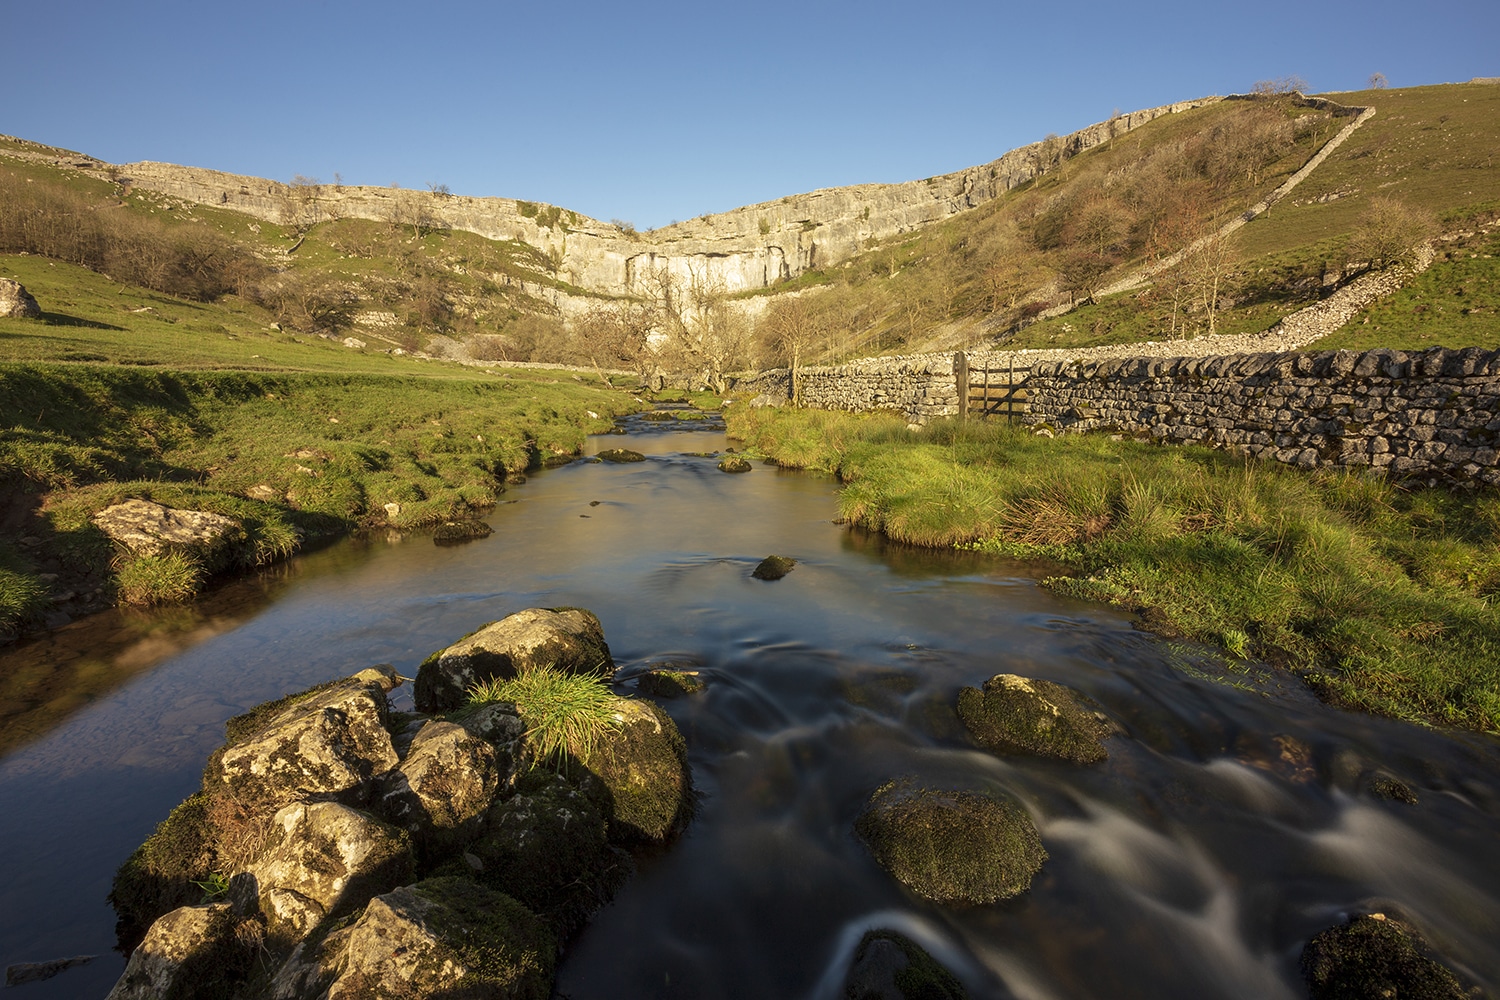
{"x": 891, "y": 966}
{"x": 568, "y": 639}
{"x": 462, "y": 530}
{"x": 773, "y": 567}
{"x": 191, "y": 953}
{"x": 441, "y": 791}
{"x": 324, "y": 860}
{"x": 443, "y": 937}
{"x": 952, "y": 846}
{"x": 644, "y": 766}
{"x": 1024, "y": 715}
{"x": 547, "y": 846}
{"x": 668, "y": 683}
{"x": 621, "y": 455}
{"x": 1373, "y": 957}
{"x": 733, "y": 463}
{"x": 328, "y": 743}
{"x": 161, "y": 874}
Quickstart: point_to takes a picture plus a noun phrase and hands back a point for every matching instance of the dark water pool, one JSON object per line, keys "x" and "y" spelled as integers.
{"x": 1228, "y": 825}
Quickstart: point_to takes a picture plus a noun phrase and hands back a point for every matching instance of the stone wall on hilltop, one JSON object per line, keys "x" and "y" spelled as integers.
{"x": 750, "y": 247}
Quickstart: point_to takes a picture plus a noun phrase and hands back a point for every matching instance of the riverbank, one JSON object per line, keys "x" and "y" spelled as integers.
{"x": 1377, "y": 595}
{"x": 295, "y": 457}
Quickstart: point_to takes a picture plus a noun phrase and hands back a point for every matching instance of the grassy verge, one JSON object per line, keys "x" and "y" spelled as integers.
{"x": 292, "y": 455}
{"x": 1379, "y": 596}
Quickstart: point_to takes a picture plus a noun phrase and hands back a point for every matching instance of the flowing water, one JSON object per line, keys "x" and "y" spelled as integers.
{"x": 1231, "y": 821}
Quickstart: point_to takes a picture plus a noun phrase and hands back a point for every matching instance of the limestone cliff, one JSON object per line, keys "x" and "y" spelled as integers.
{"x": 746, "y": 248}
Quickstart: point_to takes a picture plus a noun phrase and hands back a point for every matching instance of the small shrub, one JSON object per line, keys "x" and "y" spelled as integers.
{"x": 165, "y": 579}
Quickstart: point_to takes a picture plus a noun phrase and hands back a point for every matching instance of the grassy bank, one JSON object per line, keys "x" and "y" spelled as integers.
{"x": 1378, "y": 596}
{"x": 293, "y": 455}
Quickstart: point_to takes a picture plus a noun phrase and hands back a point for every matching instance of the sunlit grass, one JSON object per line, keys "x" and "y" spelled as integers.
{"x": 566, "y": 715}
{"x": 1381, "y": 596}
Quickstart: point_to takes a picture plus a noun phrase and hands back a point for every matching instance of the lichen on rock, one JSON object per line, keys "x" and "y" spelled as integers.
{"x": 328, "y": 744}
{"x": 953, "y": 846}
{"x": 441, "y": 791}
{"x": 191, "y": 953}
{"x": 325, "y": 859}
{"x": 1023, "y": 715}
{"x": 441, "y": 937}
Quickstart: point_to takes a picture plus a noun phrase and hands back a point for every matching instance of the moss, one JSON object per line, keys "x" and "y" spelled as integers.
{"x": 621, "y": 455}
{"x": 1394, "y": 789}
{"x": 773, "y": 567}
{"x": 161, "y": 874}
{"x": 733, "y": 463}
{"x": 547, "y": 846}
{"x": 1030, "y": 716}
{"x": 952, "y": 846}
{"x": 644, "y": 766}
{"x": 503, "y": 945}
{"x": 670, "y": 683}
{"x": 923, "y": 978}
{"x": 460, "y": 531}
{"x": 1372, "y": 957}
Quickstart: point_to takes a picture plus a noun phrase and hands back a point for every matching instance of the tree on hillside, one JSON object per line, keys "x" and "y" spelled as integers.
{"x": 694, "y": 329}
{"x": 1390, "y": 232}
{"x": 790, "y": 330}
{"x": 1378, "y": 81}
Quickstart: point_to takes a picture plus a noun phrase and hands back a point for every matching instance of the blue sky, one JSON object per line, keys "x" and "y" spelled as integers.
{"x": 651, "y": 111}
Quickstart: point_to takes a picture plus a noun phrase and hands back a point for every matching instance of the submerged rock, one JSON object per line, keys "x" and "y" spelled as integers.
{"x": 666, "y": 683}
{"x": 443, "y": 788}
{"x": 327, "y": 743}
{"x": 773, "y": 567}
{"x": 1374, "y": 957}
{"x": 326, "y": 859}
{"x": 568, "y": 639}
{"x": 21, "y": 973}
{"x": 644, "y": 767}
{"x": 891, "y": 966}
{"x": 150, "y": 529}
{"x": 194, "y": 951}
{"x": 460, "y": 531}
{"x": 1021, "y": 715}
{"x": 621, "y": 455}
{"x": 952, "y": 846}
{"x": 1387, "y": 787}
{"x": 733, "y": 463}
{"x": 443, "y": 937}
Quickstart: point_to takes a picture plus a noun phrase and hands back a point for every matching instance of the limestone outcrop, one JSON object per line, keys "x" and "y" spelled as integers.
{"x": 445, "y": 785}
{"x": 192, "y": 951}
{"x": 749, "y": 247}
{"x": 151, "y": 529}
{"x": 16, "y": 302}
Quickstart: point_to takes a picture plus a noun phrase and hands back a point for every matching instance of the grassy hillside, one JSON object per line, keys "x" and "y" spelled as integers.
{"x": 982, "y": 276}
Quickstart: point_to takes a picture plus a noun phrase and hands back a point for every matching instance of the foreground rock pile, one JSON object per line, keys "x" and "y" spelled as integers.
{"x": 339, "y": 848}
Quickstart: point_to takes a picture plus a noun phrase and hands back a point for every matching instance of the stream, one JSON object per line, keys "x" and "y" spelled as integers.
{"x": 1232, "y": 820}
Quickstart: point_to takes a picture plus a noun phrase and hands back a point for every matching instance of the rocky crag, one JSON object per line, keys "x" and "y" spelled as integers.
{"x": 746, "y": 248}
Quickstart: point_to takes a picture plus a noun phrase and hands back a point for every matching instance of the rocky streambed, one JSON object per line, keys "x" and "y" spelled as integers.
{"x": 895, "y": 767}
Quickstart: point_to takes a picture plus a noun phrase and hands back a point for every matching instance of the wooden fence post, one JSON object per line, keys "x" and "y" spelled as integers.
{"x": 961, "y": 383}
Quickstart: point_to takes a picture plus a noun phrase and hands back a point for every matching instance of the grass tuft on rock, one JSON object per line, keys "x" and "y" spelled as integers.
{"x": 168, "y": 578}
{"x": 566, "y": 715}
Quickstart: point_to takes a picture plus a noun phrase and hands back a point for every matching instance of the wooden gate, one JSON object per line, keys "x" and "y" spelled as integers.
{"x": 989, "y": 391}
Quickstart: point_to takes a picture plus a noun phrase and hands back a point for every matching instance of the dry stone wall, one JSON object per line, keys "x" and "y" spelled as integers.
{"x": 1433, "y": 414}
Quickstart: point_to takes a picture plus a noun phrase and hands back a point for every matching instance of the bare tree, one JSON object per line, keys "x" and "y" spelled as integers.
{"x": 1390, "y": 233}
{"x": 1378, "y": 81}
{"x": 790, "y": 329}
